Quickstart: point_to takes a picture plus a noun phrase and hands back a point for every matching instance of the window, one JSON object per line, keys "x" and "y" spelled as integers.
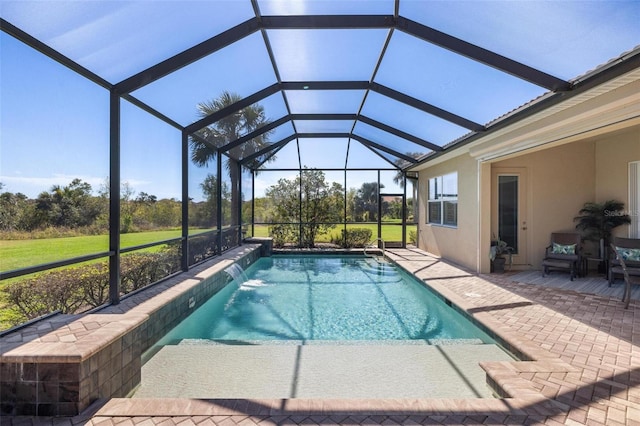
{"x": 443, "y": 200}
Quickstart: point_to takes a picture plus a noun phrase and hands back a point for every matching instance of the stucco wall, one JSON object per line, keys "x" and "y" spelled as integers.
{"x": 456, "y": 244}
{"x": 560, "y": 181}
{"x": 613, "y": 155}
{"x": 571, "y": 155}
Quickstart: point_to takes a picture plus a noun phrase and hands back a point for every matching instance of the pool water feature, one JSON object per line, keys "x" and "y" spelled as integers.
{"x": 312, "y": 298}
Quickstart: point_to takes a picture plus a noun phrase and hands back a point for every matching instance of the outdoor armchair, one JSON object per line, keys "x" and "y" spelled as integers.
{"x": 629, "y": 250}
{"x": 564, "y": 253}
{"x": 625, "y": 271}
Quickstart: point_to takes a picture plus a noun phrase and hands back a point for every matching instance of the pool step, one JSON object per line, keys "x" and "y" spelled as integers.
{"x": 379, "y": 268}
{"x": 430, "y": 342}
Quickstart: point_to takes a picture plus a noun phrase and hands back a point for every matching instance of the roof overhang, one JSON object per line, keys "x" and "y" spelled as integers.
{"x": 603, "y": 101}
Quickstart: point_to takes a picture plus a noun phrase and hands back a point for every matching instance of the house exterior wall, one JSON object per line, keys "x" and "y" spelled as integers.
{"x": 571, "y": 153}
{"x": 457, "y": 244}
{"x": 613, "y": 155}
{"x": 560, "y": 181}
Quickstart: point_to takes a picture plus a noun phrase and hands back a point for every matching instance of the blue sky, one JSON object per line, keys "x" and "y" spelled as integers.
{"x": 54, "y": 124}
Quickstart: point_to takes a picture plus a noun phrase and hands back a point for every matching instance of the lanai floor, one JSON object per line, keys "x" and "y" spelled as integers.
{"x": 582, "y": 352}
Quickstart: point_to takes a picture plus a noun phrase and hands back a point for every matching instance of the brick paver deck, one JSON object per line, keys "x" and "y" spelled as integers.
{"x": 581, "y": 366}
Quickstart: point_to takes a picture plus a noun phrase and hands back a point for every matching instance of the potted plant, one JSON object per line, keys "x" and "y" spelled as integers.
{"x": 597, "y": 220}
{"x": 499, "y": 248}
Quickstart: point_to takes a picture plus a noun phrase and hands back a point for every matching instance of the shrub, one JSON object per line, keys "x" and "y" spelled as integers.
{"x": 201, "y": 247}
{"x": 354, "y": 237}
{"x": 73, "y": 290}
{"x": 413, "y": 237}
{"x": 46, "y": 293}
{"x": 138, "y": 270}
{"x": 94, "y": 282}
{"x": 283, "y": 234}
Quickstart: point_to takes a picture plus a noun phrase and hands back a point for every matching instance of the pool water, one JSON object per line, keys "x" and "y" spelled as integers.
{"x": 308, "y": 298}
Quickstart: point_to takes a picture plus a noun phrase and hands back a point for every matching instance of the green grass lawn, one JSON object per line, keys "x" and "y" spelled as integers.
{"x": 391, "y": 232}
{"x": 16, "y": 254}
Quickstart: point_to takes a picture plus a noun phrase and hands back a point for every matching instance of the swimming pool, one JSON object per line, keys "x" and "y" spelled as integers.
{"x": 312, "y": 298}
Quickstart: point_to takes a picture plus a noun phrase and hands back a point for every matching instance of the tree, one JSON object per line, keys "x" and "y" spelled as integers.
{"x": 127, "y": 207}
{"x": 209, "y": 186}
{"x": 597, "y": 220}
{"x": 165, "y": 213}
{"x": 260, "y": 210}
{"x": 144, "y": 198}
{"x": 398, "y": 179}
{"x": 392, "y": 208}
{"x": 367, "y": 202}
{"x": 351, "y": 205}
{"x": 70, "y": 206}
{"x": 225, "y": 131}
{"x": 309, "y": 200}
{"x": 13, "y": 210}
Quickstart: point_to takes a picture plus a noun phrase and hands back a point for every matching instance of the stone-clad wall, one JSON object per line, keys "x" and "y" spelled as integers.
{"x": 60, "y": 366}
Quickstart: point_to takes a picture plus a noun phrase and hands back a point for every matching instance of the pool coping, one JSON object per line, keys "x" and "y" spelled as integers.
{"x": 517, "y": 395}
{"x": 502, "y": 377}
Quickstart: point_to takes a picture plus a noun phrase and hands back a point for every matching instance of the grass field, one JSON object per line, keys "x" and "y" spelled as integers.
{"x": 15, "y": 254}
{"x": 392, "y": 232}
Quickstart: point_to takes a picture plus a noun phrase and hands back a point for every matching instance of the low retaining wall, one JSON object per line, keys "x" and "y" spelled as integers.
{"x": 59, "y": 366}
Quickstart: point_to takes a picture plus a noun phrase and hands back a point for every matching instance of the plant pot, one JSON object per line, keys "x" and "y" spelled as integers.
{"x": 498, "y": 265}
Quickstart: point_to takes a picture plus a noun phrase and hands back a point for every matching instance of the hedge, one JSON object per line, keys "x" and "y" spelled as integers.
{"x": 353, "y": 237}
{"x": 77, "y": 289}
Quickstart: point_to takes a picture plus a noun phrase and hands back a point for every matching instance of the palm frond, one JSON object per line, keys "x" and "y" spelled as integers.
{"x": 229, "y": 129}
{"x": 597, "y": 220}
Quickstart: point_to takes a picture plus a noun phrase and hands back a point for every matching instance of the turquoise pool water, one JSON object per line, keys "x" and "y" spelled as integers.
{"x": 329, "y": 298}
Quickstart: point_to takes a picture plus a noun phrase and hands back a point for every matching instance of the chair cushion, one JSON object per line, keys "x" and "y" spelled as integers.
{"x": 629, "y": 254}
{"x": 563, "y": 249}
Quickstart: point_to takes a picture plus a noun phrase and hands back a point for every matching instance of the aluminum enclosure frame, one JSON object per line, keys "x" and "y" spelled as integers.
{"x": 560, "y": 90}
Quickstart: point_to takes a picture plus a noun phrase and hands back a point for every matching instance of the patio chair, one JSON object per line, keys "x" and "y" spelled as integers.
{"x": 564, "y": 253}
{"x": 630, "y": 247}
{"x": 624, "y": 269}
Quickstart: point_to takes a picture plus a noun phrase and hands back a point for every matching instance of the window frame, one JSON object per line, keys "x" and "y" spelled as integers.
{"x": 438, "y": 200}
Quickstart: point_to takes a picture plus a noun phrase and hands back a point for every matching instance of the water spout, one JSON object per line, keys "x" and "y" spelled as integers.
{"x": 236, "y": 272}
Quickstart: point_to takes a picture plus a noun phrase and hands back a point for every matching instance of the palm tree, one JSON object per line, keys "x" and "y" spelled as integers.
{"x": 226, "y": 130}
{"x": 597, "y": 220}
{"x": 401, "y": 163}
{"x": 367, "y": 201}
{"x": 398, "y": 179}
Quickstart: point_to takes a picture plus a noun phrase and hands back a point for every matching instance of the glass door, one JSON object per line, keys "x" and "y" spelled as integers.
{"x": 509, "y": 220}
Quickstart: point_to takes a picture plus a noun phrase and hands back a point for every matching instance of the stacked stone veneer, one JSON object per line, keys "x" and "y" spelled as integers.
{"x": 61, "y": 365}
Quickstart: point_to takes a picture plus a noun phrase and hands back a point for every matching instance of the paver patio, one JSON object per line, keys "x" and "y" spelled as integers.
{"x": 581, "y": 366}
